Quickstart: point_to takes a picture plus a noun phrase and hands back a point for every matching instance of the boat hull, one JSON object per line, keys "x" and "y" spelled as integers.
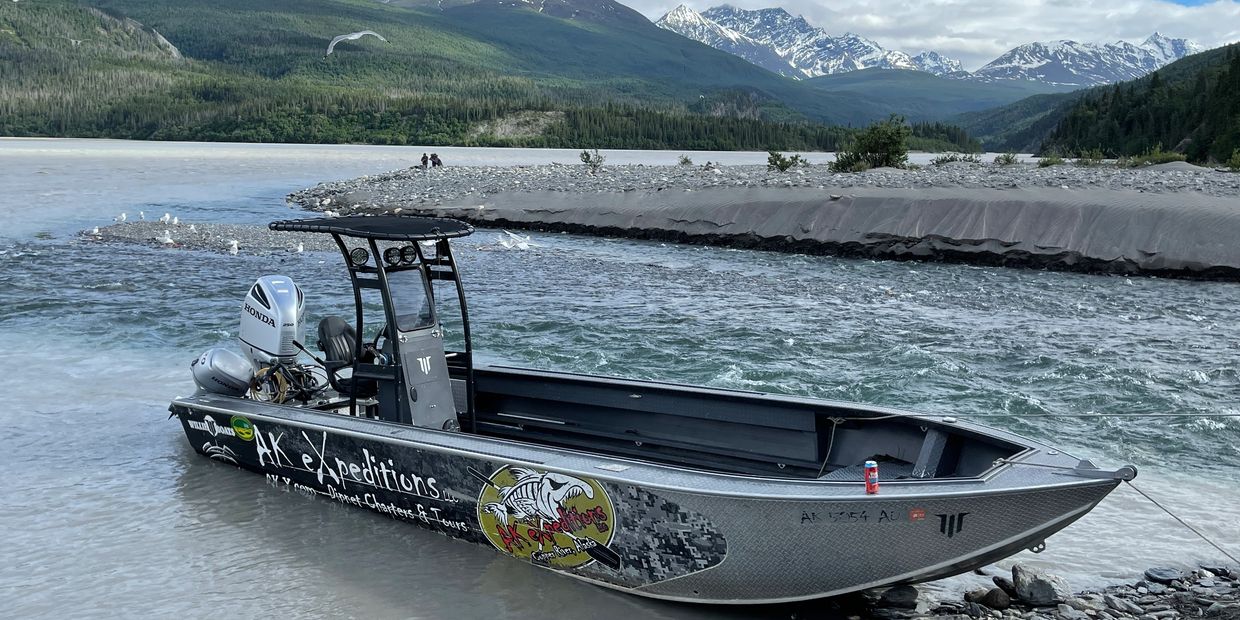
{"x": 667, "y": 542}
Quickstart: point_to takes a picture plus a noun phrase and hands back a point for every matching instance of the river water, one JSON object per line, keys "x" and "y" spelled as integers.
{"x": 107, "y": 511}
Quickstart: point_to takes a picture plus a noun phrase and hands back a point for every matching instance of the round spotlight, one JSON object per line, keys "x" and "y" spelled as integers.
{"x": 392, "y": 256}
{"x": 359, "y": 256}
{"x": 409, "y": 255}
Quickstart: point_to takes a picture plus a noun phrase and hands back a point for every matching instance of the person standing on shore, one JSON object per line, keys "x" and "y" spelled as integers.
{"x": 424, "y": 160}
{"x": 435, "y": 161}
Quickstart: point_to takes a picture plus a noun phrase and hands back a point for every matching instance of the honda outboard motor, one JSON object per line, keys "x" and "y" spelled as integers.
{"x": 271, "y": 319}
{"x": 220, "y": 371}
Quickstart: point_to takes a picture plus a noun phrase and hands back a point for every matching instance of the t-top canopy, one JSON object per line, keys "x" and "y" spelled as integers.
{"x": 382, "y": 227}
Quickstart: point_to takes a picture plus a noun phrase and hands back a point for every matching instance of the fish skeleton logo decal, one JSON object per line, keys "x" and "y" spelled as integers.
{"x": 552, "y": 519}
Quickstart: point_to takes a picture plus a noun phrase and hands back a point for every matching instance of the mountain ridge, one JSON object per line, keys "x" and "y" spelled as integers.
{"x": 806, "y": 50}
{"x": 1086, "y": 64}
{"x": 810, "y": 52}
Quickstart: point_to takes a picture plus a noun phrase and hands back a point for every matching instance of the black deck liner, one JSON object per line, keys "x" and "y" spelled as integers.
{"x": 382, "y": 227}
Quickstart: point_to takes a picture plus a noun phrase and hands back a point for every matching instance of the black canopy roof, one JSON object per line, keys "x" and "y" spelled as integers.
{"x": 382, "y": 227}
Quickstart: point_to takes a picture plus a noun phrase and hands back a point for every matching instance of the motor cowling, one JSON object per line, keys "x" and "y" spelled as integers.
{"x": 220, "y": 371}
{"x": 271, "y": 319}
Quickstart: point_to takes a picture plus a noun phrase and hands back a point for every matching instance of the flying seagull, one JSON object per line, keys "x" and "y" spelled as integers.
{"x": 352, "y": 37}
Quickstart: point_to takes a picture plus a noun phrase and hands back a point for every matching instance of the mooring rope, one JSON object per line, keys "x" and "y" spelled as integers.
{"x": 1184, "y": 523}
{"x": 1046, "y": 415}
{"x": 830, "y": 442}
{"x": 1143, "y": 494}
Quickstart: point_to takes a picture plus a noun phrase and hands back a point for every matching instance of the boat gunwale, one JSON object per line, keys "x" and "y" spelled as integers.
{"x": 797, "y": 487}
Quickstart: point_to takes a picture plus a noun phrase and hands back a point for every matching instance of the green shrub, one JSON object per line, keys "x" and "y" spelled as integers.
{"x": 1234, "y": 162}
{"x": 883, "y": 144}
{"x": 1153, "y": 156}
{"x": 684, "y": 161}
{"x": 948, "y": 158}
{"x": 1090, "y": 158}
{"x": 778, "y": 161}
{"x": 593, "y": 160}
{"x": 1050, "y": 159}
{"x": 1007, "y": 159}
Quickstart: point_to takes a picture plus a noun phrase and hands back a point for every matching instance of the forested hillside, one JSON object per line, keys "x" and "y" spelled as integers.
{"x": 1191, "y": 106}
{"x": 256, "y": 71}
{"x": 1194, "y": 109}
{"x": 922, "y": 96}
{"x": 1020, "y": 126}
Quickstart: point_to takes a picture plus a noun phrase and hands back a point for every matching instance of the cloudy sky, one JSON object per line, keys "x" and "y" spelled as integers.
{"x": 975, "y": 32}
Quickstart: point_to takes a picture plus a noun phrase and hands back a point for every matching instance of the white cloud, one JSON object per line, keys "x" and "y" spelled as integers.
{"x": 976, "y": 32}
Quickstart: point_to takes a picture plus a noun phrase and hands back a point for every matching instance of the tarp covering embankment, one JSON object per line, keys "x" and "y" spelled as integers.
{"x": 1178, "y": 234}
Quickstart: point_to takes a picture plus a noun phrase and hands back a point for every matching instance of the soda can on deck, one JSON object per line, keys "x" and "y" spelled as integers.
{"x": 871, "y": 477}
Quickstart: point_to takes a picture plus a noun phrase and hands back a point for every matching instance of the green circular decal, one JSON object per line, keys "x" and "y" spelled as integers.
{"x": 243, "y": 428}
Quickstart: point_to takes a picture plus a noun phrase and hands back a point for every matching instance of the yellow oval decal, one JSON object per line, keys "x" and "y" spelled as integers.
{"x": 549, "y": 518}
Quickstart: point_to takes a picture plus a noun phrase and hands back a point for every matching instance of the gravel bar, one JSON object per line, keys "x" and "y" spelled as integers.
{"x": 1174, "y": 219}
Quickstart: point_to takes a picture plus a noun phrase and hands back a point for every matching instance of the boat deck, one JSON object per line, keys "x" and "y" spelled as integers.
{"x": 1036, "y": 465}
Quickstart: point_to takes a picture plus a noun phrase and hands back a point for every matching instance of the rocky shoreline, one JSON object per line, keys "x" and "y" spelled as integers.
{"x": 414, "y": 188}
{"x": 1175, "y": 220}
{"x": 1032, "y": 594}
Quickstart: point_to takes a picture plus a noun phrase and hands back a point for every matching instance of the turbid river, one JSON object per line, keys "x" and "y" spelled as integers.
{"x": 107, "y": 511}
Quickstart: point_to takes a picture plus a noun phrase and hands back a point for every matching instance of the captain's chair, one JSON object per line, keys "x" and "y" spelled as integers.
{"x": 338, "y": 340}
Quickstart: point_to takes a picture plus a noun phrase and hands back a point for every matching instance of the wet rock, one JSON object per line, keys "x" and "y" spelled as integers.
{"x": 899, "y": 597}
{"x": 1006, "y": 585}
{"x": 1164, "y": 576}
{"x": 975, "y": 595}
{"x": 1150, "y": 587}
{"x": 890, "y": 613}
{"x": 1084, "y": 604}
{"x": 1223, "y": 609}
{"x": 1039, "y": 588}
{"x": 1066, "y": 612}
{"x": 996, "y": 599}
{"x": 1122, "y": 605}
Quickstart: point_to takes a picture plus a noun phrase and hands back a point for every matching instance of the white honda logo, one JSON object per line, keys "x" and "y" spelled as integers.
{"x": 425, "y": 364}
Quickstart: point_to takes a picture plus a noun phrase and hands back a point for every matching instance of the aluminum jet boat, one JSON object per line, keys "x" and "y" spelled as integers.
{"x": 658, "y": 489}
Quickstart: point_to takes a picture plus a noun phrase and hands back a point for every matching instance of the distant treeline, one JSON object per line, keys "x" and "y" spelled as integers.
{"x": 941, "y": 137}
{"x": 1195, "y": 111}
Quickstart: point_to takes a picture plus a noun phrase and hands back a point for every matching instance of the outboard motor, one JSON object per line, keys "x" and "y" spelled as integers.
{"x": 271, "y": 319}
{"x": 220, "y": 371}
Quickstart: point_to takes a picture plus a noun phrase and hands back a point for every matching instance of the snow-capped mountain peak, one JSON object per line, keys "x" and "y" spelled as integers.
{"x": 1086, "y": 64}
{"x": 689, "y": 23}
{"x": 936, "y": 63}
{"x": 806, "y": 49}
{"x": 1168, "y": 49}
{"x": 788, "y": 44}
{"x": 685, "y": 18}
